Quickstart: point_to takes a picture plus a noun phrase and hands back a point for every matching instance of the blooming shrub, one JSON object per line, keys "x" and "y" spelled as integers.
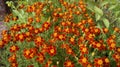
{"x": 59, "y": 33}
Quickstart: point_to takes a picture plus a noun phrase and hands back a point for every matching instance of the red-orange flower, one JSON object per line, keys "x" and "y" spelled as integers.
{"x": 83, "y": 60}
{"x": 68, "y": 63}
{"x": 58, "y": 29}
{"x": 83, "y": 49}
{"x": 46, "y": 25}
{"x": 37, "y": 19}
{"x": 14, "y": 48}
{"x": 30, "y": 66}
{"x": 61, "y": 37}
{"x": 20, "y": 37}
{"x": 38, "y": 41}
{"x": 31, "y": 29}
{"x": 6, "y": 38}
{"x": 72, "y": 40}
{"x": 105, "y": 30}
{"x": 1, "y": 44}
{"x": 40, "y": 57}
{"x": 67, "y": 30}
{"x": 29, "y": 53}
{"x": 15, "y": 64}
{"x": 69, "y": 51}
{"x": 12, "y": 58}
{"x": 98, "y": 62}
{"x": 112, "y": 46}
{"x": 116, "y": 57}
{"x": 30, "y": 19}
{"x": 106, "y": 62}
{"x": 52, "y": 50}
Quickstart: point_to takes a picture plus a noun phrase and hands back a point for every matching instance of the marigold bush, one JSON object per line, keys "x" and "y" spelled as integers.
{"x": 58, "y": 33}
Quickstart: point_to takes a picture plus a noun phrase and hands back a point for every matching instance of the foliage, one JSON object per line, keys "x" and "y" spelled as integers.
{"x": 61, "y": 33}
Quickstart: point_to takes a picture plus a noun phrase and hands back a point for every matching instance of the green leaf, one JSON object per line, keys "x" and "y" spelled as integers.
{"x": 106, "y": 22}
{"x": 97, "y": 16}
{"x": 104, "y": 3}
{"x": 98, "y": 11}
{"x": 113, "y": 7}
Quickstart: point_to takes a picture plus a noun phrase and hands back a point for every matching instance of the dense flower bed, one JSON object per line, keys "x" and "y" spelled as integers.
{"x": 58, "y": 34}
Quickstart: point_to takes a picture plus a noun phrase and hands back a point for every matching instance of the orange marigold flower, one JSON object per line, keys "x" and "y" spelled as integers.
{"x": 41, "y": 30}
{"x": 61, "y": 37}
{"x": 28, "y": 34}
{"x": 85, "y": 30}
{"x": 52, "y": 40}
{"x": 110, "y": 40}
{"x": 6, "y": 38}
{"x": 83, "y": 49}
{"x": 116, "y": 29}
{"x": 29, "y": 53}
{"x": 57, "y": 29}
{"x": 40, "y": 57}
{"x": 89, "y": 65}
{"x": 36, "y": 31}
{"x": 118, "y": 50}
{"x": 68, "y": 63}
{"x": 65, "y": 46}
{"x": 112, "y": 46}
{"x": 49, "y": 61}
{"x": 81, "y": 39}
{"x": 14, "y": 48}
{"x": 15, "y": 18}
{"x": 63, "y": 23}
{"x": 83, "y": 60}
{"x": 97, "y": 31}
{"x": 46, "y": 25}
{"x": 30, "y": 66}
{"x": 31, "y": 29}
{"x": 70, "y": 51}
{"x": 98, "y": 62}
{"x": 66, "y": 30}
{"x": 72, "y": 40}
{"x": 106, "y": 62}
{"x": 38, "y": 41}
{"x": 52, "y": 50}
{"x": 55, "y": 35}
{"x": 21, "y": 37}
{"x": 30, "y": 19}
{"x": 116, "y": 57}
{"x": 1, "y": 44}
{"x": 37, "y": 19}
{"x": 12, "y": 58}
{"x": 105, "y": 30}
{"x": 44, "y": 48}
{"x": 89, "y": 36}
{"x": 15, "y": 64}
{"x": 118, "y": 64}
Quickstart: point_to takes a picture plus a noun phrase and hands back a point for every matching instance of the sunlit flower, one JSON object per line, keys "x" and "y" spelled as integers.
{"x": 83, "y": 60}
{"x": 14, "y": 48}
{"x": 52, "y": 50}
{"x": 29, "y": 53}
{"x": 12, "y": 58}
{"x": 68, "y": 63}
{"x": 15, "y": 64}
{"x": 40, "y": 58}
{"x": 38, "y": 41}
{"x": 116, "y": 57}
{"x": 98, "y": 62}
{"x": 83, "y": 49}
{"x": 1, "y": 44}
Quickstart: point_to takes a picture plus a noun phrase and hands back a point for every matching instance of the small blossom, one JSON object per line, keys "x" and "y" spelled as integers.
{"x": 68, "y": 63}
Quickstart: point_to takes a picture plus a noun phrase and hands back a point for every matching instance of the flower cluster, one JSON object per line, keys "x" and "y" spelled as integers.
{"x": 69, "y": 37}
